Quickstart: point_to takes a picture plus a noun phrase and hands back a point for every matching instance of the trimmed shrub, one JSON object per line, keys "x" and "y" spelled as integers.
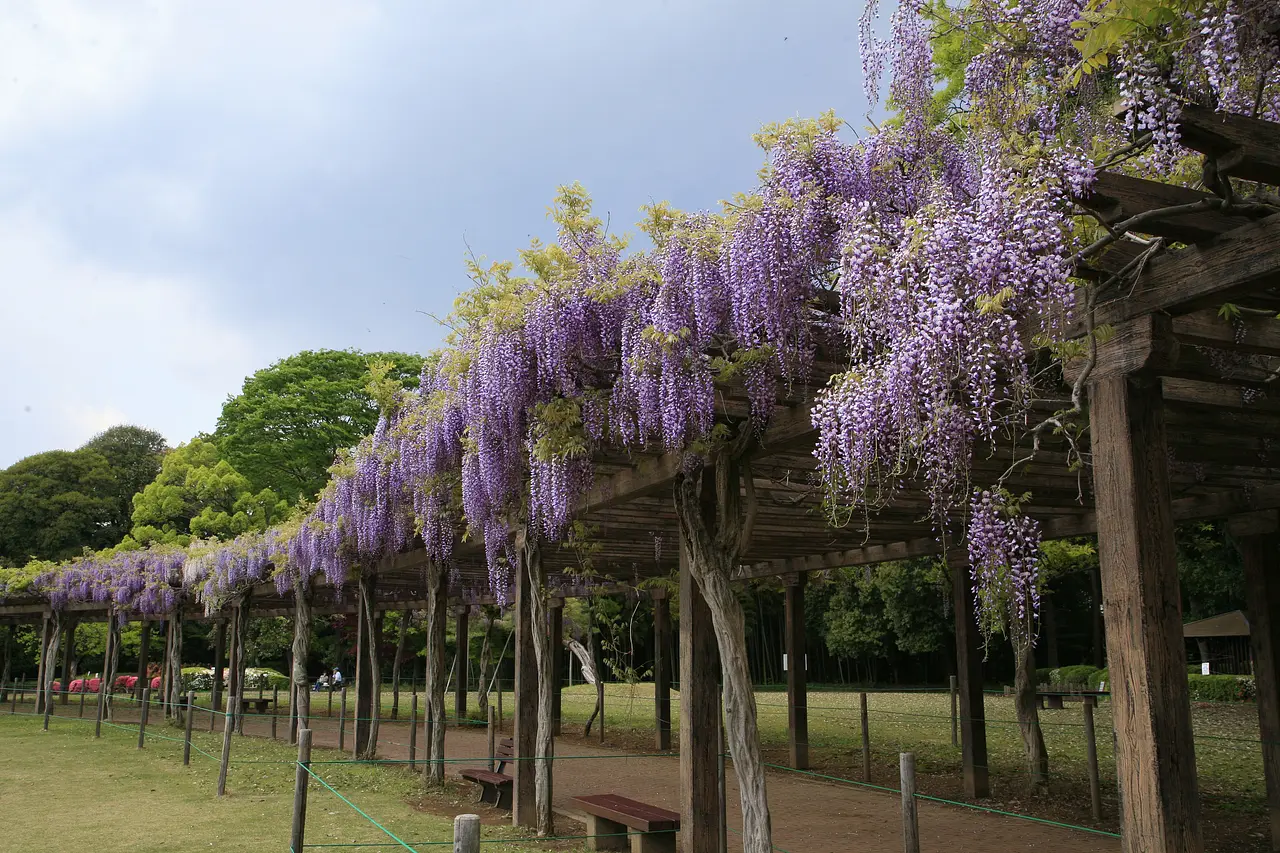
{"x": 1043, "y": 675}
{"x": 1099, "y": 676}
{"x": 1221, "y": 688}
{"x": 1078, "y": 675}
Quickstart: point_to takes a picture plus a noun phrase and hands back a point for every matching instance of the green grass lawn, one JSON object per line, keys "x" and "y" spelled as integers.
{"x": 64, "y": 789}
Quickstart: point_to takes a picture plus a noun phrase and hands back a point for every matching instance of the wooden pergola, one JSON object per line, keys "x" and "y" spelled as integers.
{"x": 1184, "y": 425}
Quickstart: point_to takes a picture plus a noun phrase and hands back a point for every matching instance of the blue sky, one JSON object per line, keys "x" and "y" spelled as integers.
{"x": 190, "y": 191}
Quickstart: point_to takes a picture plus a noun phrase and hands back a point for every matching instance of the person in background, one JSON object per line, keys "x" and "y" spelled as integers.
{"x": 337, "y": 677}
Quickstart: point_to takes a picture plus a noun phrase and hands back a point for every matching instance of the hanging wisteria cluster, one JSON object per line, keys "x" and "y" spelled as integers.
{"x": 934, "y": 255}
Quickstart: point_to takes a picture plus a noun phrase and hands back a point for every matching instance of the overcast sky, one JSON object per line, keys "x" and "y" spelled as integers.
{"x": 192, "y": 190}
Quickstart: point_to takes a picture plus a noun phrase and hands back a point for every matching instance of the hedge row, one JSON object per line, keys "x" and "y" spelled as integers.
{"x": 201, "y": 678}
{"x": 1203, "y": 688}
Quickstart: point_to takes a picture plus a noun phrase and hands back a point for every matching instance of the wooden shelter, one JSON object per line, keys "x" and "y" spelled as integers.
{"x": 1184, "y": 425}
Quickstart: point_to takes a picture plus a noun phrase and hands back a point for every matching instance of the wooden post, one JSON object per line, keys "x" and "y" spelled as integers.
{"x": 1258, "y": 539}
{"x": 1091, "y": 748}
{"x": 84, "y": 688}
{"x": 461, "y": 665}
{"x": 413, "y": 732}
{"x": 525, "y": 717}
{"x": 68, "y": 656}
{"x": 797, "y": 700}
{"x": 42, "y": 682}
{"x": 910, "y": 823}
{"x": 498, "y": 684}
{"x": 144, "y": 652}
{"x": 329, "y": 712}
{"x": 103, "y": 687}
{"x": 275, "y": 709}
{"x": 1156, "y": 764}
{"x": 866, "y": 738}
{"x": 368, "y": 679}
{"x": 342, "y": 719}
{"x": 661, "y": 669}
{"x": 219, "y": 644}
{"x": 955, "y": 733}
{"x": 493, "y": 737}
{"x": 142, "y": 717}
{"x": 186, "y": 741}
{"x": 699, "y": 717}
{"x": 466, "y": 833}
{"x": 48, "y": 698}
{"x": 555, "y": 630}
{"x": 229, "y": 725}
{"x": 301, "y": 782}
{"x": 293, "y": 712}
{"x": 973, "y": 715}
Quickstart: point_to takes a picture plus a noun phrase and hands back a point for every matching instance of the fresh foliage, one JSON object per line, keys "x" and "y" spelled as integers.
{"x": 55, "y": 504}
{"x": 133, "y": 454}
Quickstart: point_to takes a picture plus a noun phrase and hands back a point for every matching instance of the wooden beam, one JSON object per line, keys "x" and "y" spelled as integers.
{"x": 1160, "y": 806}
{"x": 699, "y": 718}
{"x": 973, "y": 713}
{"x": 525, "y": 716}
{"x": 797, "y": 699}
{"x": 1243, "y": 147}
{"x": 1115, "y": 197}
{"x": 1247, "y": 333}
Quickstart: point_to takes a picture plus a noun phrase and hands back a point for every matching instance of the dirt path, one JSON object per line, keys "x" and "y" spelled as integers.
{"x": 809, "y": 815}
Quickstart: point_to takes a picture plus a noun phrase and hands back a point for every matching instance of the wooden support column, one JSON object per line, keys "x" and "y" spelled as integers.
{"x": 1155, "y": 762}
{"x": 219, "y": 647}
{"x": 68, "y": 656}
{"x": 661, "y": 669}
{"x": 42, "y": 678}
{"x": 461, "y": 665}
{"x": 1258, "y": 538}
{"x": 699, "y": 718}
{"x": 797, "y": 699}
{"x": 973, "y": 713}
{"x": 525, "y": 718}
{"x": 367, "y": 633}
{"x": 144, "y": 653}
{"x": 555, "y": 633}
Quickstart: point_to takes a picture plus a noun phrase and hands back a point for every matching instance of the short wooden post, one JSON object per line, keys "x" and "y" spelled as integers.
{"x": 1091, "y": 746}
{"x": 797, "y": 688}
{"x": 493, "y": 727}
{"x": 48, "y": 701}
{"x": 910, "y": 822}
{"x": 413, "y": 732}
{"x": 230, "y": 723}
{"x": 955, "y": 717}
{"x": 186, "y": 742}
{"x": 275, "y": 709}
{"x": 342, "y": 720}
{"x": 466, "y": 833}
{"x": 102, "y": 701}
{"x": 84, "y": 684}
{"x": 301, "y": 782}
{"x": 142, "y": 717}
{"x": 866, "y": 738}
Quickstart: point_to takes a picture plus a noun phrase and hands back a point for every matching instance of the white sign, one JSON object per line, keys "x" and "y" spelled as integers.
{"x": 1204, "y": 668}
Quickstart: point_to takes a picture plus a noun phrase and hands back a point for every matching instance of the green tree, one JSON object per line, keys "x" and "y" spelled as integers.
{"x": 289, "y": 421}
{"x": 55, "y": 504}
{"x": 198, "y": 493}
{"x": 134, "y": 454}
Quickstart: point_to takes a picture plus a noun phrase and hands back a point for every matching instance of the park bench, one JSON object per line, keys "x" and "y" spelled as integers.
{"x": 495, "y": 786}
{"x": 610, "y": 816}
{"x": 1053, "y": 696}
{"x": 259, "y": 705}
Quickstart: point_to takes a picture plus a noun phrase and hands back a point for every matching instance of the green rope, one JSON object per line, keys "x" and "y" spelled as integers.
{"x": 487, "y": 840}
{"x": 359, "y": 810}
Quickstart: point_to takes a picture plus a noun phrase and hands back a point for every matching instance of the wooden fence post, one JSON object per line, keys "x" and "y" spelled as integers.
{"x": 499, "y": 701}
{"x": 142, "y": 716}
{"x": 342, "y": 719}
{"x": 413, "y": 732}
{"x": 1091, "y": 745}
{"x": 910, "y": 823}
{"x": 329, "y": 712}
{"x": 229, "y": 718}
{"x": 102, "y": 701}
{"x": 466, "y": 833}
{"x": 84, "y": 683}
{"x": 866, "y": 739}
{"x": 186, "y": 742}
{"x": 48, "y": 702}
{"x": 955, "y": 718}
{"x": 275, "y": 709}
{"x": 301, "y": 781}
{"x": 492, "y": 739}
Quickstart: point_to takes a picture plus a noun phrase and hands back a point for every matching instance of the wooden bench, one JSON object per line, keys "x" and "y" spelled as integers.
{"x": 609, "y": 816}
{"x": 260, "y": 705}
{"x": 495, "y": 786}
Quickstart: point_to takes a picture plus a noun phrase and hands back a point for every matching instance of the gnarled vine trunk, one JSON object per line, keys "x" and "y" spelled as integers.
{"x": 715, "y": 527}
{"x": 301, "y": 653}
{"x": 240, "y": 631}
{"x": 50, "y": 659}
{"x": 437, "y": 599}
{"x": 395, "y": 665}
{"x": 68, "y": 659}
{"x": 544, "y": 737}
{"x": 486, "y": 660}
{"x": 1024, "y": 688}
{"x": 175, "y": 711}
{"x": 111, "y": 660}
{"x": 368, "y": 673}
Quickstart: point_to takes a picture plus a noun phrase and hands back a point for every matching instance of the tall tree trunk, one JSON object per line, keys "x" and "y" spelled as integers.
{"x": 715, "y": 528}
{"x": 437, "y": 615}
{"x": 544, "y": 739}
{"x": 395, "y": 665}
{"x": 176, "y": 710}
{"x": 370, "y": 703}
{"x": 51, "y": 656}
{"x": 486, "y": 655}
{"x": 301, "y": 652}
{"x": 239, "y": 638}
{"x": 111, "y": 659}
{"x": 41, "y": 658}
{"x": 1028, "y": 715}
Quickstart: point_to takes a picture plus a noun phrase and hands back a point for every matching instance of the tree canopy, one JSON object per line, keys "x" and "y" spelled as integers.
{"x": 134, "y": 454}
{"x": 284, "y": 428}
{"x": 198, "y": 493}
{"x": 54, "y": 504}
